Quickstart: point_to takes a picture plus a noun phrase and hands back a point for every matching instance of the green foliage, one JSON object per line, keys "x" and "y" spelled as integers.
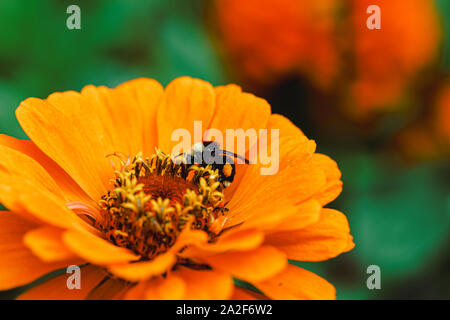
{"x": 400, "y": 215}
{"x": 444, "y": 9}
{"x": 184, "y": 49}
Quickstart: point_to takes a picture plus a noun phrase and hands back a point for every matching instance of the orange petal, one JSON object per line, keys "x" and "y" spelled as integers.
{"x": 167, "y": 288}
{"x": 241, "y": 169}
{"x": 295, "y": 283}
{"x": 95, "y": 249}
{"x": 127, "y": 113}
{"x": 137, "y": 292}
{"x": 89, "y": 126}
{"x": 293, "y": 149}
{"x": 78, "y": 142}
{"x": 269, "y": 216}
{"x": 236, "y": 240}
{"x": 21, "y": 167}
{"x": 205, "y": 284}
{"x": 290, "y": 187}
{"x": 297, "y": 180}
{"x": 249, "y": 112}
{"x": 245, "y": 294}
{"x": 18, "y": 265}
{"x": 188, "y": 240}
{"x": 172, "y": 288}
{"x": 24, "y": 184}
{"x": 328, "y": 165}
{"x": 189, "y": 237}
{"x": 145, "y": 269}
{"x": 142, "y": 95}
{"x": 296, "y": 151}
{"x": 326, "y": 239}
{"x": 256, "y": 265}
{"x": 71, "y": 191}
{"x": 185, "y": 100}
{"x": 333, "y": 187}
{"x": 109, "y": 289}
{"x": 286, "y": 127}
{"x": 56, "y": 288}
{"x": 46, "y": 243}
{"x": 31, "y": 199}
{"x": 294, "y": 146}
{"x": 307, "y": 213}
{"x": 329, "y": 192}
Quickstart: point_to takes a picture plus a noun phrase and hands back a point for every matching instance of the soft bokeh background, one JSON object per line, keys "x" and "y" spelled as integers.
{"x": 387, "y": 137}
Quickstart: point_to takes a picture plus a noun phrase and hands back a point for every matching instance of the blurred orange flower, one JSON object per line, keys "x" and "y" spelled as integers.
{"x": 269, "y": 38}
{"x": 148, "y": 227}
{"x": 388, "y": 59}
{"x": 428, "y": 137}
{"x": 442, "y": 115}
{"x": 328, "y": 40}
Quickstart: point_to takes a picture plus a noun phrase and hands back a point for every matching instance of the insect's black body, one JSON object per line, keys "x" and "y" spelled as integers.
{"x": 209, "y": 153}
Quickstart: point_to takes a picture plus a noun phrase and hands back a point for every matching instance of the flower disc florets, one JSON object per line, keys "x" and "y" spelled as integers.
{"x": 155, "y": 198}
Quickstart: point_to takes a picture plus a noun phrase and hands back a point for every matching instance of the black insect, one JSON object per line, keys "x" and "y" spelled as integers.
{"x": 209, "y": 153}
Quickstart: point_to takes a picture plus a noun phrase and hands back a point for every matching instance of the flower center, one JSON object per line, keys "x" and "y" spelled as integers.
{"x": 155, "y": 198}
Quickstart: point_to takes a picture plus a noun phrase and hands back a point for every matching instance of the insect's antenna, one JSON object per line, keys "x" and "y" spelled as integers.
{"x": 236, "y": 156}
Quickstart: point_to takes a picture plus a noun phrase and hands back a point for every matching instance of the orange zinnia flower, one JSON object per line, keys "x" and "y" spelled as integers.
{"x": 328, "y": 42}
{"x": 269, "y": 39}
{"x": 148, "y": 227}
{"x": 389, "y": 58}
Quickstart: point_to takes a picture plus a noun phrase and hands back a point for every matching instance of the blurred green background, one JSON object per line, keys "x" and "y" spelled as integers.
{"x": 399, "y": 211}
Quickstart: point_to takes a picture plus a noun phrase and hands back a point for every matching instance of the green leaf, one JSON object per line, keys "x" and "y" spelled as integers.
{"x": 184, "y": 48}
{"x": 444, "y": 8}
{"x": 399, "y": 216}
{"x": 9, "y": 100}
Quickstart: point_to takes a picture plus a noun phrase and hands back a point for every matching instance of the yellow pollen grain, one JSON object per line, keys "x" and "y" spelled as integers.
{"x": 227, "y": 170}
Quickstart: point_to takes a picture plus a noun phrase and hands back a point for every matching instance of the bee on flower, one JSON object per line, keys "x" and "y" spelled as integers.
{"x": 96, "y": 187}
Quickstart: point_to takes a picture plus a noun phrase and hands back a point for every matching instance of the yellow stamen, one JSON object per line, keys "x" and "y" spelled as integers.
{"x": 154, "y": 199}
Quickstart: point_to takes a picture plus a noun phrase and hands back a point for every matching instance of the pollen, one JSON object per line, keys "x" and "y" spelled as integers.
{"x": 153, "y": 199}
{"x": 227, "y": 170}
